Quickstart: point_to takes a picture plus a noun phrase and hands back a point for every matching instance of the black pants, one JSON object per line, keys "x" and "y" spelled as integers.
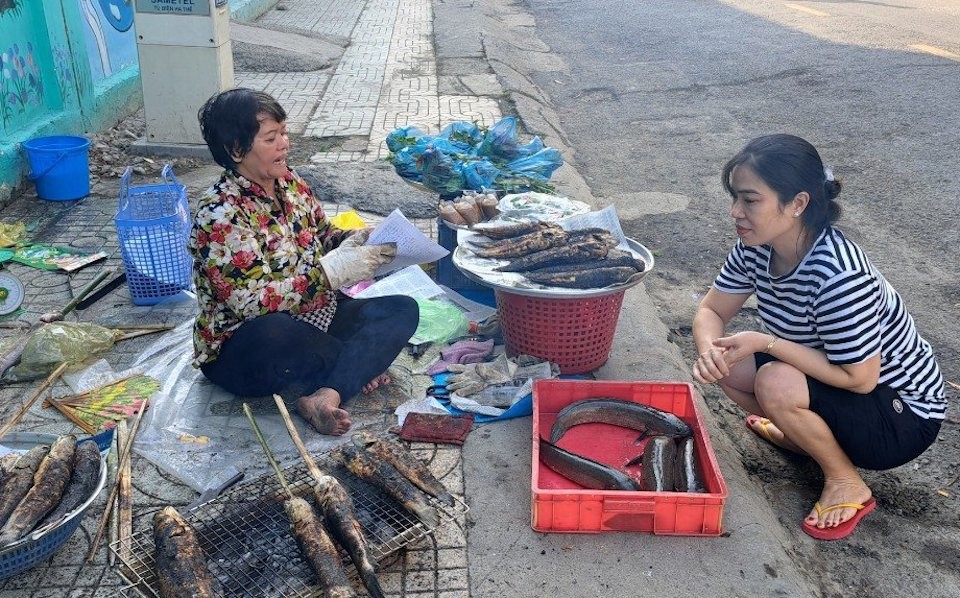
{"x": 276, "y": 353}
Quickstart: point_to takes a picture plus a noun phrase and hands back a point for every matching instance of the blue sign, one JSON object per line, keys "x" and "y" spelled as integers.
{"x": 119, "y": 13}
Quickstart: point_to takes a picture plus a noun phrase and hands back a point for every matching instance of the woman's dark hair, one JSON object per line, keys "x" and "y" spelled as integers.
{"x": 789, "y": 165}
{"x": 228, "y": 121}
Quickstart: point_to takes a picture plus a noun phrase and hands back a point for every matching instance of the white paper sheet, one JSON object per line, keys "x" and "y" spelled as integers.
{"x": 413, "y": 247}
{"x": 412, "y": 281}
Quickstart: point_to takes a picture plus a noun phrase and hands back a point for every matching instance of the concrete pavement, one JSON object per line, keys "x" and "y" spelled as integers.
{"x": 414, "y": 62}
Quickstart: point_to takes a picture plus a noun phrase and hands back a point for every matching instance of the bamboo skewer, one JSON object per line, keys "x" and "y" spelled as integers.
{"x": 266, "y": 449}
{"x": 125, "y": 500}
{"x": 124, "y": 455}
{"x": 135, "y": 334}
{"x": 157, "y": 327}
{"x": 315, "y": 471}
{"x": 26, "y": 406}
{"x": 112, "y": 475}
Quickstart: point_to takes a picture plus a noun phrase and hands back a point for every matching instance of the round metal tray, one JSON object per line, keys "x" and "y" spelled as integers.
{"x": 480, "y": 270}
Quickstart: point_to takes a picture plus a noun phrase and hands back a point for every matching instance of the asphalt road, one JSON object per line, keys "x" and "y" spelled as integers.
{"x": 655, "y": 96}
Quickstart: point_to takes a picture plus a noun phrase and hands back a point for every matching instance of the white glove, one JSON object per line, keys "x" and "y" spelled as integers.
{"x": 471, "y": 378}
{"x": 346, "y": 266}
{"x": 357, "y": 239}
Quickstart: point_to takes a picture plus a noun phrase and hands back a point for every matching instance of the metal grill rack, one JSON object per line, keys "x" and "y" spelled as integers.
{"x": 250, "y": 550}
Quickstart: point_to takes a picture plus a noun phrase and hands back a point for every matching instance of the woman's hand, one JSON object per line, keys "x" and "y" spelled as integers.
{"x": 711, "y": 366}
{"x": 741, "y": 345}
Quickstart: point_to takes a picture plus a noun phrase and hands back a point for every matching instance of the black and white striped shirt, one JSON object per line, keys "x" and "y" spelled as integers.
{"x": 837, "y": 302}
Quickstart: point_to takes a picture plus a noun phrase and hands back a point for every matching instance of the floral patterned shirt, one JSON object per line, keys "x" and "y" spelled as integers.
{"x": 251, "y": 259}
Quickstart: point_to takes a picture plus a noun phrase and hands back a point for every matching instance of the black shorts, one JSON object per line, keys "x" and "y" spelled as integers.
{"x": 876, "y": 430}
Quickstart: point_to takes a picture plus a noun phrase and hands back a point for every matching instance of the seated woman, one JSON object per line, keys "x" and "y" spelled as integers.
{"x": 841, "y": 373}
{"x": 268, "y": 265}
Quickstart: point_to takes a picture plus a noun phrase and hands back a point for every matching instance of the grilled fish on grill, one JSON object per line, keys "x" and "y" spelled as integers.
{"x": 339, "y": 518}
{"x": 181, "y": 565}
{"x": 583, "y": 279}
{"x": 618, "y": 412}
{"x": 317, "y": 548}
{"x": 386, "y": 477}
{"x": 20, "y": 480}
{"x": 524, "y": 245}
{"x": 659, "y": 464}
{"x": 49, "y": 481}
{"x": 406, "y": 463}
{"x": 83, "y": 479}
{"x": 6, "y": 464}
{"x": 590, "y": 248}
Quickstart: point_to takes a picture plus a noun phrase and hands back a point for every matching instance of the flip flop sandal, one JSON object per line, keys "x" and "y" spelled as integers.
{"x": 762, "y": 431}
{"x": 844, "y": 529}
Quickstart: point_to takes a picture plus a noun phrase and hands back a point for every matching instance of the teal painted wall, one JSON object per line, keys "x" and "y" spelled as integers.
{"x": 69, "y": 67}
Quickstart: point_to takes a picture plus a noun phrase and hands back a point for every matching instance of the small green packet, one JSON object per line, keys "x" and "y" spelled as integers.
{"x": 45, "y": 257}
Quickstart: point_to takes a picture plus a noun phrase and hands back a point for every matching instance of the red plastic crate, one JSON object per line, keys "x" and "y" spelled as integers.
{"x": 560, "y": 505}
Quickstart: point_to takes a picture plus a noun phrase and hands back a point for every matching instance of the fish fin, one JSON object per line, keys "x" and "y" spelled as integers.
{"x": 643, "y": 436}
{"x": 635, "y": 461}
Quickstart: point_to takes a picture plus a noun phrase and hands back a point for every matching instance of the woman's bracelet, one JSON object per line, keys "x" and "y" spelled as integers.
{"x": 770, "y": 344}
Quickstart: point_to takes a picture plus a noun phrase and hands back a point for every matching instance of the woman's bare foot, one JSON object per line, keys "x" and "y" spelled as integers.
{"x": 372, "y": 385}
{"x": 322, "y": 411}
{"x": 766, "y": 429}
{"x": 835, "y": 492}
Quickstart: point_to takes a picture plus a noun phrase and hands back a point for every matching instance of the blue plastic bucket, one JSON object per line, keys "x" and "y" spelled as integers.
{"x": 59, "y": 166}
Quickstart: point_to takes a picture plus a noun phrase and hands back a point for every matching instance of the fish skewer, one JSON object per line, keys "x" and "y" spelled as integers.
{"x": 49, "y": 481}
{"x": 337, "y": 508}
{"x": 386, "y": 477}
{"x": 181, "y": 565}
{"x": 584, "y": 279}
{"x": 525, "y": 244}
{"x": 314, "y": 542}
{"x": 411, "y": 467}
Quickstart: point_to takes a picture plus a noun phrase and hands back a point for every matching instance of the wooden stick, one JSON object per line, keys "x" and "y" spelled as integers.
{"x": 52, "y": 402}
{"x": 124, "y": 455}
{"x": 26, "y": 406}
{"x": 69, "y": 307}
{"x": 142, "y": 326}
{"x": 266, "y": 449}
{"x": 315, "y": 471}
{"x": 129, "y": 335}
{"x": 112, "y": 475}
{"x": 125, "y": 501}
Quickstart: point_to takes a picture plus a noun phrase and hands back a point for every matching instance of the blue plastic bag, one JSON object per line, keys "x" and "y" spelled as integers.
{"x": 440, "y": 172}
{"x": 464, "y": 135}
{"x": 480, "y": 175}
{"x": 541, "y": 164}
{"x": 500, "y": 142}
{"x": 404, "y": 137}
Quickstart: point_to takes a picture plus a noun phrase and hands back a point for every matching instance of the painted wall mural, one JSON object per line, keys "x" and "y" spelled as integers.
{"x": 12, "y": 7}
{"x": 111, "y": 42}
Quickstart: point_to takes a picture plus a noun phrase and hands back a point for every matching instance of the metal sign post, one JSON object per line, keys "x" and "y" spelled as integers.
{"x": 185, "y": 57}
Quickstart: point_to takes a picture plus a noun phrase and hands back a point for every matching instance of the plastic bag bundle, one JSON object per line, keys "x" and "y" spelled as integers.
{"x": 58, "y": 342}
{"x": 467, "y": 157}
{"x": 541, "y": 164}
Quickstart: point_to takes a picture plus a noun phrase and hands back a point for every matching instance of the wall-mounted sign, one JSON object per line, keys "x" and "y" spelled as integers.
{"x": 174, "y": 7}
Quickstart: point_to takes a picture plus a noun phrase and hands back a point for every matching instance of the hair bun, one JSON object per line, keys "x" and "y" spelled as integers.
{"x": 832, "y": 188}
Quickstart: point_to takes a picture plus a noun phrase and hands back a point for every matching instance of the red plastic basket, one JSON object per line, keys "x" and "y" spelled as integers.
{"x": 576, "y": 334}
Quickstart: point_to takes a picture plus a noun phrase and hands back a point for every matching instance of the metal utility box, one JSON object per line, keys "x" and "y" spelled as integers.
{"x": 185, "y": 57}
